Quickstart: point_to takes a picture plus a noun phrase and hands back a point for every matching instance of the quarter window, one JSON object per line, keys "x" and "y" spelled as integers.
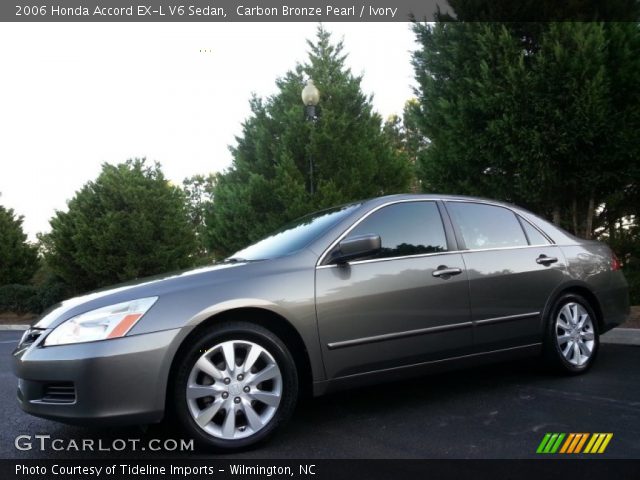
{"x": 487, "y": 226}
{"x": 407, "y": 228}
{"x": 534, "y": 236}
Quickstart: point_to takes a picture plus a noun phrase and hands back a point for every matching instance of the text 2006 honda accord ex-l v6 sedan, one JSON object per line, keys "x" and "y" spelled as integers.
{"x": 360, "y": 293}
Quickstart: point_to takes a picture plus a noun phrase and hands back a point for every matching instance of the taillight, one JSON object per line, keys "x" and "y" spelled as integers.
{"x": 615, "y": 263}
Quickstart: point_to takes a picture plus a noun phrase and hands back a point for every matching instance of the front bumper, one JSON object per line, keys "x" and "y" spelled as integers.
{"x": 110, "y": 382}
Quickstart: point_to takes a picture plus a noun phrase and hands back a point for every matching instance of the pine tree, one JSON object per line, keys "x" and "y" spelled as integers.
{"x": 128, "y": 223}
{"x": 268, "y": 183}
{"x": 542, "y": 114}
{"x": 198, "y": 190}
{"x": 18, "y": 258}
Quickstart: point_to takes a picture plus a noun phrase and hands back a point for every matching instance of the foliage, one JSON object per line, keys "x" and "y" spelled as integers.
{"x": 524, "y": 13}
{"x": 49, "y": 294}
{"x": 51, "y": 289}
{"x": 632, "y": 274}
{"x": 128, "y": 223}
{"x": 18, "y": 258}
{"x": 626, "y": 244}
{"x": 198, "y": 190}
{"x": 406, "y": 138}
{"x": 268, "y": 183}
{"x": 544, "y": 115}
{"x": 19, "y": 299}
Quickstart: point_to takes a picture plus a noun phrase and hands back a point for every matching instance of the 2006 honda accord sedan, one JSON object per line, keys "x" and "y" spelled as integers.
{"x": 365, "y": 292}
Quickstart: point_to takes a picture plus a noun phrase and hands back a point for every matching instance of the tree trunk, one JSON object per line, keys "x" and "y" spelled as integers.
{"x": 556, "y": 215}
{"x": 574, "y": 211}
{"x": 588, "y": 233}
{"x": 611, "y": 224}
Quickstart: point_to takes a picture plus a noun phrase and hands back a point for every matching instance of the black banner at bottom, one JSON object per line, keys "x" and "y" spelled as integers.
{"x": 224, "y": 469}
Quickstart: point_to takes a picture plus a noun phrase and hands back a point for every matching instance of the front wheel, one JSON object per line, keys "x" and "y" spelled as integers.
{"x": 571, "y": 341}
{"x": 235, "y": 386}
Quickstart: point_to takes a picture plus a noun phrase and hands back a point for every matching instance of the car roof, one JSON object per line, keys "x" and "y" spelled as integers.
{"x": 436, "y": 196}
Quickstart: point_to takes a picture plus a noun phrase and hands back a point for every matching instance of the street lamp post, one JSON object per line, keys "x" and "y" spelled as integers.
{"x": 310, "y": 98}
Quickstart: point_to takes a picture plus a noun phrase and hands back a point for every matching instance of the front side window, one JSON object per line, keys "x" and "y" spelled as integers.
{"x": 486, "y": 226}
{"x": 408, "y": 228}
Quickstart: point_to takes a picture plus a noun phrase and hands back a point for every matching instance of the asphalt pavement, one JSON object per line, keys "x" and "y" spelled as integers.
{"x": 497, "y": 411}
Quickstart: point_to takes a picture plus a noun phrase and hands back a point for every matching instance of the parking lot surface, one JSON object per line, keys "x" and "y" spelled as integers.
{"x": 497, "y": 411}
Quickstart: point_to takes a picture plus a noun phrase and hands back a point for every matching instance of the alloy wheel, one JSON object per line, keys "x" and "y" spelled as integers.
{"x": 234, "y": 389}
{"x": 575, "y": 334}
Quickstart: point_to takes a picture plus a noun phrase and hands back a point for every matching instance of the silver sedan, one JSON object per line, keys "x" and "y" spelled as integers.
{"x": 367, "y": 292}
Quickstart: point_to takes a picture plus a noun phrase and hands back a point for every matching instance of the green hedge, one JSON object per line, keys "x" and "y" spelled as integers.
{"x": 633, "y": 277}
{"x": 30, "y": 299}
{"x": 19, "y": 299}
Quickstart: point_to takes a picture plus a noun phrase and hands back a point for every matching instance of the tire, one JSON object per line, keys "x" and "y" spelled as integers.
{"x": 262, "y": 388}
{"x": 571, "y": 340}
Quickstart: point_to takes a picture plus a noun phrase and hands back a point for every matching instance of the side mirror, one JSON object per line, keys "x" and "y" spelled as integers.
{"x": 360, "y": 246}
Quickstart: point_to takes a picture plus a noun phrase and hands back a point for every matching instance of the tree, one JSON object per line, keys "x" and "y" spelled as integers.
{"x": 128, "y": 223}
{"x": 544, "y": 115}
{"x": 406, "y": 138}
{"x": 268, "y": 183}
{"x": 18, "y": 258}
{"x": 198, "y": 190}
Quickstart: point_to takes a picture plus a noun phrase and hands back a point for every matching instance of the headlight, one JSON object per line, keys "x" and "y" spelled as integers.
{"x": 107, "y": 322}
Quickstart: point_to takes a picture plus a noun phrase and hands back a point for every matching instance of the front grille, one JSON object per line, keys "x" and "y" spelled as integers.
{"x": 63, "y": 392}
{"x": 29, "y": 337}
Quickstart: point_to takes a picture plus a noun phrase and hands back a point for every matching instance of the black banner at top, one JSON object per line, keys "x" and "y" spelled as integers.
{"x": 315, "y": 10}
{"x": 219, "y": 10}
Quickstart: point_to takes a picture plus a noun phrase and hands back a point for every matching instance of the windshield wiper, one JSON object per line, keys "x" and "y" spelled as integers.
{"x": 238, "y": 260}
{"x": 234, "y": 260}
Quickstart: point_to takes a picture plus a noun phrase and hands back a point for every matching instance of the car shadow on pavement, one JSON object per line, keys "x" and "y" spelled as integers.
{"x": 493, "y": 411}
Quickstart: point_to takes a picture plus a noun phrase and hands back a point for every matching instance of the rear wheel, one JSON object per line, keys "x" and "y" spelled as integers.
{"x": 572, "y": 340}
{"x": 235, "y": 386}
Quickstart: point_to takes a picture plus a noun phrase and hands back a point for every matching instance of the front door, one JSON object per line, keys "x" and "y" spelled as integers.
{"x": 394, "y": 309}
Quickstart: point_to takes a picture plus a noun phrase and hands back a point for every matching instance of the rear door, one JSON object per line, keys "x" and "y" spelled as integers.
{"x": 394, "y": 309}
{"x": 513, "y": 268}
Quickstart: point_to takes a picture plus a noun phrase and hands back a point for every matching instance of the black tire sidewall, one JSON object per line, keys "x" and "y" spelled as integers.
{"x": 235, "y": 331}
{"x": 552, "y": 349}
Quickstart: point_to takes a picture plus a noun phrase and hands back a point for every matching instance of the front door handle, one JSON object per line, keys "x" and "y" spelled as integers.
{"x": 446, "y": 272}
{"x": 546, "y": 261}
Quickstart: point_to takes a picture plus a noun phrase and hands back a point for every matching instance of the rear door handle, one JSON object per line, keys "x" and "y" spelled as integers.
{"x": 444, "y": 271}
{"x": 546, "y": 261}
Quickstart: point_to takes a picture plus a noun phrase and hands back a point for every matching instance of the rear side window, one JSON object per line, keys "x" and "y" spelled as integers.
{"x": 407, "y": 228}
{"x": 534, "y": 236}
{"x": 487, "y": 226}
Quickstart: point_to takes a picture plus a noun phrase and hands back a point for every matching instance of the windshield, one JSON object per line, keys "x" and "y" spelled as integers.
{"x": 295, "y": 235}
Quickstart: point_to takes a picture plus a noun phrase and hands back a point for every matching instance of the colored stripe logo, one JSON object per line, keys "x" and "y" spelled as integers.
{"x": 574, "y": 443}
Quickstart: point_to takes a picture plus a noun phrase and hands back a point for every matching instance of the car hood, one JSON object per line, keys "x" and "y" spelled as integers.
{"x": 141, "y": 288}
